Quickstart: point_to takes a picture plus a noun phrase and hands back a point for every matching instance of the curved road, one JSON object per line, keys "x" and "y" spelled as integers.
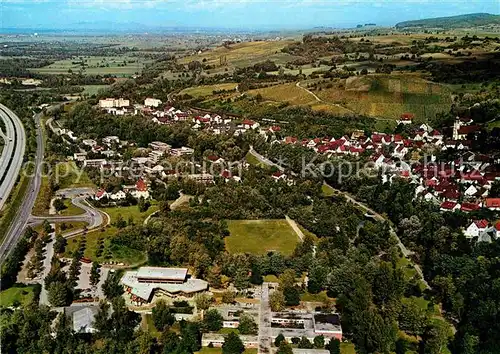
{"x": 12, "y": 156}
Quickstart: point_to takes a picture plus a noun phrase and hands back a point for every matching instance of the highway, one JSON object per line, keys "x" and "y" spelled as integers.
{"x": 12, "y": 156}
{"x": 17, "y": 227}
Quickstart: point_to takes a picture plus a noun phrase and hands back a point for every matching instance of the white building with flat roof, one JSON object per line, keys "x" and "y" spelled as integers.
{"x": 141, "y": 284}
{"x": 114, "y": 103}
{"x": 152, "y": 102}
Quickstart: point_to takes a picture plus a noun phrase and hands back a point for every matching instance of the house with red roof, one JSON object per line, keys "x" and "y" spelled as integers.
{"x": 475, "y": 228}
{"x": 449, "y": 206}
{"x": 278, "y": 175}
{"x": 100, "y": 194}
{"x": 492, "y": 203}
{"x": 467, "y": 207}
{"x": 140, "y": 190}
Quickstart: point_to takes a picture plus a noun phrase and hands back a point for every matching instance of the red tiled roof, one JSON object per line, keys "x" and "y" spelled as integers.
{"x": 226, "y": 174}
{"x": 482, "y": 224}
{"x": 492, "y": 202}
{"x": 448, "y": 205}
{"x": 100, "y": 193}
{"x": 469, "y": 207}
{"x": 141, "y": 185}
{"x": 212, "y": 158}
{"x": 468, "y": 129}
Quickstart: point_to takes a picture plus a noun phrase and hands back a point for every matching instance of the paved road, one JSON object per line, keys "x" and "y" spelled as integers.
{"x": 92, "y": 216}
{"x": 16, "y": 229}
{"x": 12, "y": 156}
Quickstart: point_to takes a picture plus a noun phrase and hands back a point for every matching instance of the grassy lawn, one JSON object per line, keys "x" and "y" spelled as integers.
{"x": 252, "y": 160}
{"x": 207, "y": 90}
{"x": 260, "y": 236}
{"x": 271, "y": 278}
{"x": 120, "y": 254}
{"x": 110, "y": 252}
{"x": 70, "y": 226}
{"x": 407, "y": 268}
{"x": 347, "y": 348}
{"x": 71, "y": 209}
{"x": 285, "y": 93}
{"x": 93, "y": 89}
{"x": 327, "y": 190}
{"x": 68, "y": 175}
{"x": 23, "y": 295}
{"x": 42, "y": 202}
{"x": 319, "y": 297}
{"x": 96, "y": 65}
{"x": 147, "y": 324}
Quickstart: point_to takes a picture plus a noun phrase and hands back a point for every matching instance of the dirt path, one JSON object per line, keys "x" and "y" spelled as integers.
{"x": 295, "y": 228}
{"x": 320, "y": 100}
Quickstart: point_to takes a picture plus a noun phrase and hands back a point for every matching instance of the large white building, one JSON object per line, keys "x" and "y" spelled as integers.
{"x": 141, "y": 284}
{"x": 152, "y": 102}
{"x": 114, "y": 103}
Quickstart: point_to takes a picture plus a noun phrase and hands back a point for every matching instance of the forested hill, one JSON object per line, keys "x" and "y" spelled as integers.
{"x": 469, "y": 20}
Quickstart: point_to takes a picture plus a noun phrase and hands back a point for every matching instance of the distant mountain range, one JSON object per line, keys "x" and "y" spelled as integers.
{"x": 460, "y": 21}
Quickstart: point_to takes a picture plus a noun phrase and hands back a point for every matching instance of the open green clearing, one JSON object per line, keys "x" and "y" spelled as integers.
{"x": 252, "y": 160}
{"x": 207, "y": 90}
{"x": 115, "y": 253}
{"x": 93, "y": 89}
{"x": 68, "y": 175}
{"x": 71, "y": 209}
{"x": 260, "y": 236}
{"x": 22, "y": 295}
{"x": 121, "y": 66}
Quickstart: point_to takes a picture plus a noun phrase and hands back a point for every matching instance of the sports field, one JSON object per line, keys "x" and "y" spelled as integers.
{"x": 260, "y": 236}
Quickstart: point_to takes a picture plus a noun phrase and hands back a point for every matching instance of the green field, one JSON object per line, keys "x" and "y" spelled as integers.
{"x": 252, "y": 160}
{"x": 22, "y": 295}
{"x": 117, "y": 253}
{"x": 71, "y": 209}
{"x": 93, "y": 89}
{"x": 260, "y": 236}
{"x": 327, "y": 190}
{"x": 122, "y": 66}
{"x": 207, "y": 90}
{"x": 285, "y": 93}
{"x": 68, "y": 175}
{"x": 347, "y": 348}
{"x": 387, "y": 96}
{"x": 244, "y": 54}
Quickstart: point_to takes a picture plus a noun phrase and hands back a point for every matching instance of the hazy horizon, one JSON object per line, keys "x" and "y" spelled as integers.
{"x": 225, "y": 14}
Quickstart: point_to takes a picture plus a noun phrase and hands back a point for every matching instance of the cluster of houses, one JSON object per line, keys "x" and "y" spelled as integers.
{"x": 138, "y": 190}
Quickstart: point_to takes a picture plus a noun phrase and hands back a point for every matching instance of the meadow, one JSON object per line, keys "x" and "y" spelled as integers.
{"x": 207, "y": 90}
{"x": 122, "y": 66}
{"x": 244, "y": 54}
{"x": 112, "y": 252}
{"x": 260, "y": 236}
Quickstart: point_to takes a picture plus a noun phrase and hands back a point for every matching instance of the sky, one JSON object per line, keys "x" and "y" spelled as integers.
{"x": 235, "y": 14}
